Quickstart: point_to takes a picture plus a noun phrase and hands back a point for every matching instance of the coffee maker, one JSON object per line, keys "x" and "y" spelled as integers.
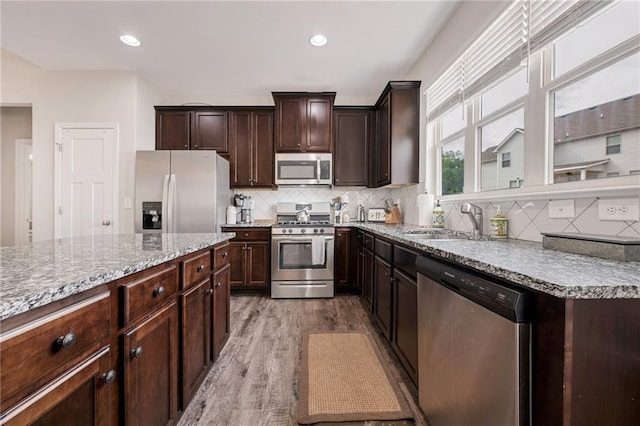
{"x": 243, "y": 205}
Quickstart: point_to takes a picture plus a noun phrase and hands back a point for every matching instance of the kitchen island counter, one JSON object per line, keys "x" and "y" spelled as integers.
{"x": 39, "y": 273}
{"x": 564, "y": 275}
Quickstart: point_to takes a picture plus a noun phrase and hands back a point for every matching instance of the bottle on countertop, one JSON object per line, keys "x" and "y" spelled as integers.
{"x": 498, "y": 225}
{"x": 438, "y": 216}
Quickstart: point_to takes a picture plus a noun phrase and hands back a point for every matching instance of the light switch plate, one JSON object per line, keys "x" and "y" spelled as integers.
{"x": 127, "y": 202}
{"x": 559, "y": 209}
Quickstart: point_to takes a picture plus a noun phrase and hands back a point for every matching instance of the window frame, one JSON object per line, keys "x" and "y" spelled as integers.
{"x": 618, "y": 145}
{"x": 538, "y": 104}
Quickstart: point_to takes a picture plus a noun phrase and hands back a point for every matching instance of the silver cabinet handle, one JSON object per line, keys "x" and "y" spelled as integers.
{"x": 158, "y": 291}
{"x": 109, "y": 377}
{"x": 209, "y": 292}
{"x": 200, "y": 268}
{"x": 219, "y": 284}
{"x": 137, "y": 352}
{"x": 106, "y": 222}
{"x": 66, "y": 341}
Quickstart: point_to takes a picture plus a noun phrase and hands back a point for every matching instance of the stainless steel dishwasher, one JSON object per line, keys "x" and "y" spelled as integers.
{"x": 474, "y": 348}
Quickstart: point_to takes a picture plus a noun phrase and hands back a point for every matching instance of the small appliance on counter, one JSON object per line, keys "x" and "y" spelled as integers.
{"x": 375, "y": 215}
{"x": 244, "y": 205}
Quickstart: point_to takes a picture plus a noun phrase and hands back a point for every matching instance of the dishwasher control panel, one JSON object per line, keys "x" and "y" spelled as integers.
{"x": 509, "y": 302}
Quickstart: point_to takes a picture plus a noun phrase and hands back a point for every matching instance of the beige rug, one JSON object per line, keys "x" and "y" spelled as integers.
{"x": 343, "y": 380}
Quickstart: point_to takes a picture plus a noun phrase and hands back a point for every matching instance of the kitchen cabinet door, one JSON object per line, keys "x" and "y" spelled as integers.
{"x": 351, "y": 152}
{"x": 195, "y": 307}
{"x": 251, "y": 140}
{"x": 238, "y": 264}
{"x": 383, "y": 296}
{"x": 241, "y": 164}
{"x": 209, "y": 131}
{"x": 150, "y": 358}
{"x": 258, "y": 262}
{"x": 262, "y": 143}
{"x": 291, "y": 123}
{"x": 342, "y": 255}
{"x": 81, "y": 396}
{"x": 221, "y": 312}
{"x": 405, "y": 320}
{"x": 173, "y": 129}
{"x": 319, "y": 121}
{"x": 367, "y": 279}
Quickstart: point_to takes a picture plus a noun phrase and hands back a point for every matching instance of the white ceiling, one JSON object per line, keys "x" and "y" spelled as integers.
{"x": 232, "y": 48}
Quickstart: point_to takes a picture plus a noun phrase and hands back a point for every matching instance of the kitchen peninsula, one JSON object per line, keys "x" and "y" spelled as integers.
{"x": 110, "y": 327}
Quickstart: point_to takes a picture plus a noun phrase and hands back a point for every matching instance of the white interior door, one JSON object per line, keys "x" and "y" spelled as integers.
{"x": 87, "y": 176}
{"x": 23, "y": 196}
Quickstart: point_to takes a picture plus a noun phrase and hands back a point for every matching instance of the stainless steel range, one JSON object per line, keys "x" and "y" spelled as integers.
{"x": 302, "y": 244}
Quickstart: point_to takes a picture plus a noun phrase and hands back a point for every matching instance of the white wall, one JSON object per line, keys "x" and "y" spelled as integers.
{"x": 15, "y": 123}
{"x": 76, "y": 97}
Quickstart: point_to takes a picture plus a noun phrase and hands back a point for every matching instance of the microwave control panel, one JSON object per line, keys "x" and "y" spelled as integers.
{"x": 325, "y": 169}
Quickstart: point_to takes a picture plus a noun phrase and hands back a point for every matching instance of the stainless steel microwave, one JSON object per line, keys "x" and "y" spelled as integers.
{"x": 303, "y": 169}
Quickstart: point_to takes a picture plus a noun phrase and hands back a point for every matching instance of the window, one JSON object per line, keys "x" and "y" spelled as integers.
{"x": 569, "y": 67}
{"x": 517, "y": 183}
{"x": 506, "y": 159}
{"x": 613, "y": 144}
{"x": 452, "y": 164}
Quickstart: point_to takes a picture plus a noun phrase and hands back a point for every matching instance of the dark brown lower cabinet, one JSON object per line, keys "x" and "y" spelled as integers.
{"x": 80, "y": 396}
{"x": 405, "y": 322}
{"x": 195, "y": 310}
{"x": 342, "y": 258}
{"x": 150, "y": 352}
{"x": 365, "y": 276}
{"x": 221, "y": 314}
{"x": 383, "y": 296}
{"x": 250, "y": 264}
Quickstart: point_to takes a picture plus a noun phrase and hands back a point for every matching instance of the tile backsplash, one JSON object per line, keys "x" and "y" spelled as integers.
{"x": 527, "y": 219}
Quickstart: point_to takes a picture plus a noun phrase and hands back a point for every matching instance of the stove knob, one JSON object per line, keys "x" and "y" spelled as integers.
{"x": 284, "y": 231}
{"x": 322, "y": 231}
{"x": 303, "y": 230}
{"x": 290, "y": 230}
{"x": 315, "y": 231}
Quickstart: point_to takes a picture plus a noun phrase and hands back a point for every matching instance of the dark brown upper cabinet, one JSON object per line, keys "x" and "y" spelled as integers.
{"x": 303, "y": 121}
{"x": 396, "y": 160}
{"x": 251, "y": 148}
{"x": 353, "y": 128}
{"x": 181, "y": 128}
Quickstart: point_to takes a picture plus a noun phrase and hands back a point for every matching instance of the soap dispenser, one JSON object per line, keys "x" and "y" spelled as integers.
{"x": 438, "y": 216}
{"x": 498, "y": 224}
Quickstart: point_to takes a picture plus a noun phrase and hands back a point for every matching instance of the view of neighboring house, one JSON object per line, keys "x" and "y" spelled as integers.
{"x": 601, "y": 141}
{"x": 503, "y": 164}
{"x": 597, "y": 142}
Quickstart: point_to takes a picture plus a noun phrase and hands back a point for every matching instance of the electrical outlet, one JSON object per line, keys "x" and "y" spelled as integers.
{"x": 561, "y": 209}
{"x": 626, "y": 209}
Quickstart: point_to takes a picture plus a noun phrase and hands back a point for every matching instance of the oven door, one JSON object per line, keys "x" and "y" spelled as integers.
{"x": 292, "y": 258}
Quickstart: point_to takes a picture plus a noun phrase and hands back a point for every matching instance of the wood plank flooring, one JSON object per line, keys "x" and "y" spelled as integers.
{"x": 255, "y": 380}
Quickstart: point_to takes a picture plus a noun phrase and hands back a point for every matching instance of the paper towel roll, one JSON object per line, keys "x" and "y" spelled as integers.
{"x": 425, "y": 209}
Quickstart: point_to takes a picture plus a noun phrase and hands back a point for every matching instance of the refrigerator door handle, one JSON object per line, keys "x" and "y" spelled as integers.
{"x": 165, "y": 204}
{"x": 172, "y": 204}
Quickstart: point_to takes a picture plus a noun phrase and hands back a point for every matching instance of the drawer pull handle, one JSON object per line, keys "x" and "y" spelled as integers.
{"x": 137, "y": 352}
{"x": 109, "y": 376}
{"x": 246, "y": 235}
{"x": 200, "y": 268}
{"x": 225, "y": 254}
{"x": 67, "y": 340}
{"x": 158, "y": 291}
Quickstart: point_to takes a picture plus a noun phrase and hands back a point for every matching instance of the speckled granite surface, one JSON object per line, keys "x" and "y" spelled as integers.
{"x": 39, "y": 273}
{"x": 250, "y": 225}
{"x": 528, "y": 264}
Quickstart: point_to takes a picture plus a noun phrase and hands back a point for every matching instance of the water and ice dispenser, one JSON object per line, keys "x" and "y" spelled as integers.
{"x": 152, "y": 215}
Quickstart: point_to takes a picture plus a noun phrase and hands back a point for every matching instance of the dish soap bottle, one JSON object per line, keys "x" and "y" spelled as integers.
{"x": 438, "y": 216}
{"x": 498, "y": 225}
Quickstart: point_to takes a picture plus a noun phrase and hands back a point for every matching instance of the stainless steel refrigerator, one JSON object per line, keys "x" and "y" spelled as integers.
{"x": 181, "y": 191}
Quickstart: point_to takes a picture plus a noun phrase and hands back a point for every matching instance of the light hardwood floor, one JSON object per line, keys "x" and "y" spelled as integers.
{"x": 255, "y": 380}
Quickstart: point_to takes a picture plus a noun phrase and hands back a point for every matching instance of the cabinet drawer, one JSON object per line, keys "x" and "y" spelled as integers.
{"x": 142, "y": 295}
{"x": 384, "y": 250}
{"x": 367, "y": 241}
{"x": 253, "y": 234}
{"x": 196, "y": 268}
{"x": 221, "y": 256}
{"x": 32, "y": 354}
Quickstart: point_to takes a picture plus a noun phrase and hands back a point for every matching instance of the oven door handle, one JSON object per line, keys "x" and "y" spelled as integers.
{"x": 296, "y": 241}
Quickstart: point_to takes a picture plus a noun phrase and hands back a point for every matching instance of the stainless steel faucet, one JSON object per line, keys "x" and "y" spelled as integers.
{"x": 475, "y": 213}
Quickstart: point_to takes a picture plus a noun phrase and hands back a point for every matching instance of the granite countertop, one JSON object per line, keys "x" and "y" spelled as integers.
{"x": 35, "y": 274}
{"x": 565, "y": 275}
{"x": 250, "y": 225}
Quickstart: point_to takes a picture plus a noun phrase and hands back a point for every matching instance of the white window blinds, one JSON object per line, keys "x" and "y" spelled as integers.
{"x": 525, "y": 26}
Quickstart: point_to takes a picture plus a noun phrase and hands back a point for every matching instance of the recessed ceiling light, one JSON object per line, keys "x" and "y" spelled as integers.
{"x": 318, "y": 40}
{"x": 130, "y": 40}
